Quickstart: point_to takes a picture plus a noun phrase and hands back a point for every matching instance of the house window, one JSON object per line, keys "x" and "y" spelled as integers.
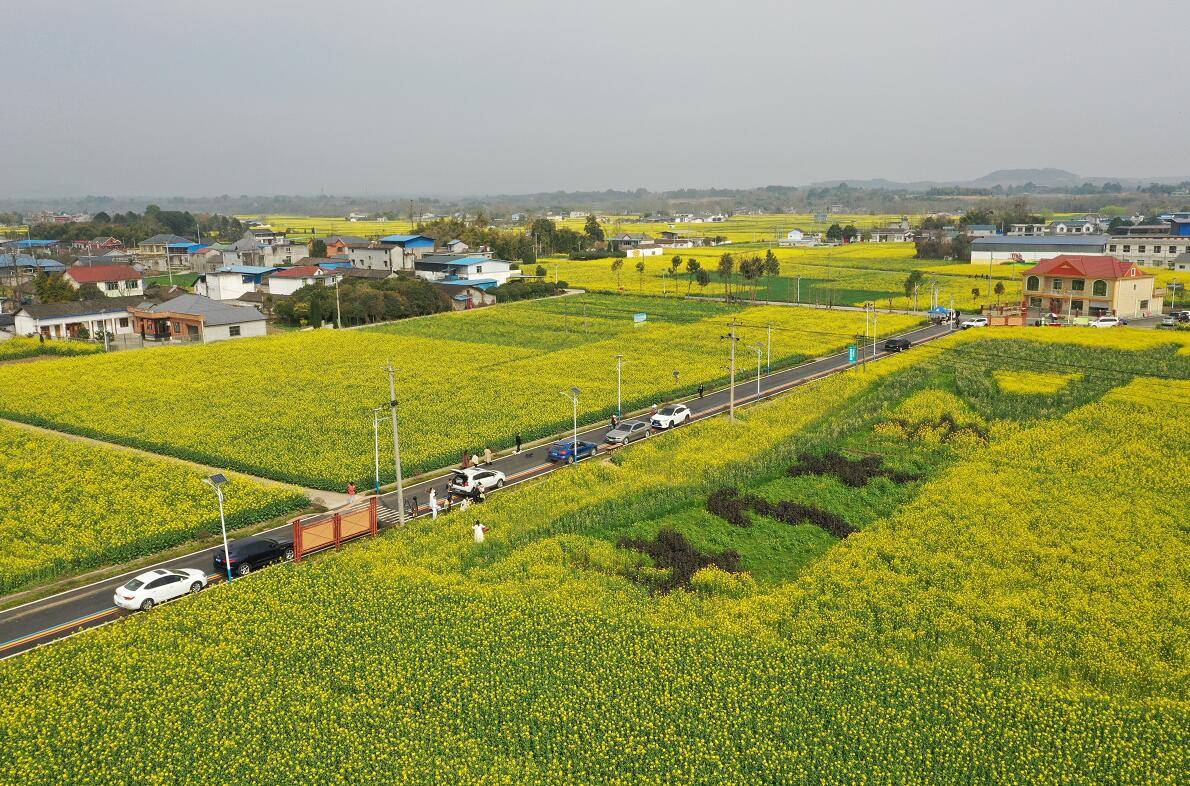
{"x": 1078, "y": 285}
{"x": 1056, "y": 285}
{"x": 233, "y": 331}
{"x": 479, "y": 268}
{"x": 1076, "y": 305}
{"x": 1156, "y": 249}
{"x": 123, "y": 322}
{"x": 1035, "y": 302}
{"x": 1144, "y": 305}
{"x": 192, "y": 330}
{"x": 1112, "y": 247}
{"x": 1099, "y": 288}
{"x": 177, "y": 327}
{"x": 110, "y": 286}
{"x": 1127, "y": 249}
{"x": 1032, "y": 283}
{"x": 1140, "y": 249}
{"x": 131, "y": 284}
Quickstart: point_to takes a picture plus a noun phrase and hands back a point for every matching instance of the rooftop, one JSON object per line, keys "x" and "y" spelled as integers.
{"x": 301, "y": 271}
{"x": 213, "y": 312}
{"x": 92, "y": 274}
{"x": 81, "y": 308}
{"x": 1040, "y": 240}
{"x": 404, "y": 238}
{"x": 162, "y": 240}
{"x": 1088, "y": 265}
{"x": 247, "y": 270}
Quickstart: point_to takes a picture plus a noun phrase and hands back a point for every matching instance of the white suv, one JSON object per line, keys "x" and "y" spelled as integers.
{"x": 1106, "y": 321}
{"x": 671, "y": 415}
{"x": 974, "y": 322}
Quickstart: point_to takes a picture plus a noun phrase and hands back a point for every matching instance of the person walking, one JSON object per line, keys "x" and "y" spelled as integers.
{"x": 474, "y": 460}
{"x": 433, "y": 504}
{"x": 700, "y": 391}
{"x": 465, "y": 460}
{"x": 351, "y": 492}
{"x": 518, "y": 443}
{"x": 477, "y": 531}
{"x": 487, "y": 455}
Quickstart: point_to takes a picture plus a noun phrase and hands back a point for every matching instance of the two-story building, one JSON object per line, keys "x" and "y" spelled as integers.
{"x": 112, "y": 280}
{"x": 998, "y": 249}
{"x": 462, "y": 269}
{"x": 1086, "y": 285}
{"x": 153, "y": 252}
{"x": 337, "y": 245}
{"x": 375, "y": 257}
{"x": 412, "y": 248}
{"x": 232, "y": 282}
{"x": 1155, "y": 245}
{"x": 1074, "y": 227}
{"x": 288, "y": 280}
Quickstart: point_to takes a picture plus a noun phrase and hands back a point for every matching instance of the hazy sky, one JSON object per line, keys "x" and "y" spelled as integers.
{"x": 205, "y": 97}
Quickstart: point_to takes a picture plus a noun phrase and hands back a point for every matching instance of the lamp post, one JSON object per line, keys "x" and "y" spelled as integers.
{"x": 392, "y": 405}
{"x": 572, "y": 394}
{"x": 376, "y": 444}
{"x": 768, "y": 347}
{"x": 216, "y": 482}
{"x": 619, "y": 398}
{"x": 759, "y": 350}
{"x": 731, "y": 384}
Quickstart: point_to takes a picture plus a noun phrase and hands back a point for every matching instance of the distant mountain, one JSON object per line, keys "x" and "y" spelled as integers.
{"x": 1019, "y": 177}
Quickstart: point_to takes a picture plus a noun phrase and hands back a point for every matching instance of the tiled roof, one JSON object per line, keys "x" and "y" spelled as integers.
{"x": 1088, "y": 265}
{"x": 96, "y": 273}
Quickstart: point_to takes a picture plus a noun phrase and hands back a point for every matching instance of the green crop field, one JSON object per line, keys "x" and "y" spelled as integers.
{"x": 468, "y": 380}
{"x": 960, "y": 565}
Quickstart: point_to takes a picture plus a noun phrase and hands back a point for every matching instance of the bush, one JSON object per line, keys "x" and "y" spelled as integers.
{"x": 594, "y": 253}
{"x": 527, "y": 290}
{"x": 671, "y": 550}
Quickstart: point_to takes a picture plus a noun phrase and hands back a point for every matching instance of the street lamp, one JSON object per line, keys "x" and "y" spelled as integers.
{"x": 572, "y": 394}
{"x": 216, "y": 482}
{"x": 376, "y": 442}
{"x": 759, "y": 350}
{"x": 619, "y": 398}
{"x": 392, "y": 405}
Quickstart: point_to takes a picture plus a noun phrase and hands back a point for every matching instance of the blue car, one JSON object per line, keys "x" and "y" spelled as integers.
{"x": 564, "y": 451}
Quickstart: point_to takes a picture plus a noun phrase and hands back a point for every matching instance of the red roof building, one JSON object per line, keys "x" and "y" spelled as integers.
{"x": 112, "y": 280}
{"x": 1073, "y": 286}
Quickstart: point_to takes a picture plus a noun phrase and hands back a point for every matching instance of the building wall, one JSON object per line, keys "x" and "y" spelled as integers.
{"x": 1129, "y": 249}
{"x": 223, "y": 332}
{"x": 127, "y": 288}
{"x": 287, "y": 286}
{"x": 117, "y": 323}
{"x": 375, "y": 258}
{"x": 226, "y": 286}
{"x": 643, "y": 252}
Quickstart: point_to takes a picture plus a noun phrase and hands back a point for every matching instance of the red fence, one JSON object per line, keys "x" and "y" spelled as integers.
{"x": 324, "y": 530}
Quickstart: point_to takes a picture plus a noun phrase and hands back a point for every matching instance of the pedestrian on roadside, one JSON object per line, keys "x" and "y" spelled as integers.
{"x": 518, "y": 443}
{"x": 487, "y": 455}
{"x": 700, "y": 389}
{"x": 479, "y": 495}
{"x": 654, "y": 409}
{"x": 465, "y": 461}
{"x": 474, "y": 460}
{"x": 615, "y": 421}
{"x": 351, "y": 492}
{"x": 433, "y": 503}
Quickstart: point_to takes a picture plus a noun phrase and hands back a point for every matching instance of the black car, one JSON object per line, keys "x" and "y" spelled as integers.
{"x": 897, "y": 345}
{"x": 249, "y": 554}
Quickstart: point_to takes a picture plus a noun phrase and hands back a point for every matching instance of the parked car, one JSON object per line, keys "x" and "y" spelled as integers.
{"x": 627, "y": 431}
{"x": 974, "y": 322}
{"x": 897, "y": 345}
{"x": 157, "y": 586}
{"x": 671, "y": 415}
{"x": 468, "y": 481}
{"x": 1169, "y": 320}
{"x": 1180, "y": 316}
{"x": 249, "y": 554}
{"x": 564, "y": 450}
{"x": 1106, "y": 321}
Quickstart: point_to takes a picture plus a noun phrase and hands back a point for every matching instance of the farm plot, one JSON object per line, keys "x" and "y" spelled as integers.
{"x": 297, "y": 407}
{"x": 66, "y": 505}
{"x": 964, "y": 634}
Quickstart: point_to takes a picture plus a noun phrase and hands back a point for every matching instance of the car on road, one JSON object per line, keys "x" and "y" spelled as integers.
{"x": 671, "y": 415}
{"x": 249, "y": 554}
{"x": 468, "y": 481}
{"x": 897, "y": 345}
{"x": 1106, "y": 322}
{"x": 157, "y": 586}
{"x": 627, "y": 431}
{"x": 1169, "y": 320}
{"x": 974, "y": 322}
{"x": 564, "y": 450}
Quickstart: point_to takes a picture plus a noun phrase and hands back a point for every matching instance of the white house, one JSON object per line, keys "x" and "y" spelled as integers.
{"x": 232, "y": 281}
{"x": 112, "y": 280}
{"x": 644, "y": 250}
{"x": 796, "y": 237}
{"x": 1073, "y": 227}
{"x": 456, "y": 246}
{"x": 196, "y": 318}
{"x": 369, "y": 257}
{"x": 892, "y": 235}
{"x": 482, "y": 272}
{"x": 291, "y": 279}
{"x": 70, "y": 319}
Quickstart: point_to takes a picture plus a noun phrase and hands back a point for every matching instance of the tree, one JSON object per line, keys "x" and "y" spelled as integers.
{"x": 315, "y": 317}
{"x": 318, "y": 248}
{"x": 618, "y": 268}
{"x": 834, "y": 232}
{"x": 593, "y": 231}
{"x": 999, "y": 288}
{"x": 674, "y": 264}
{"x": 850, "y": 233}
{"x": 751, "y": 269}
{"x": 53, "y": 288}
{"x": 89, "y": 291}
{"x": 912, "y": 282}
{"x": 540, "y": 271}
{"x": 640, "y": 268}
{"x": 692, "y": 268}
{"x": 974, "y": 294}
{"x": 726, "y": 268}
{"x": 702, "y": 277}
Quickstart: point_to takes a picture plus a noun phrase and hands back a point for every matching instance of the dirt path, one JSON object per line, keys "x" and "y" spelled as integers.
{"x": 328, "y": 499}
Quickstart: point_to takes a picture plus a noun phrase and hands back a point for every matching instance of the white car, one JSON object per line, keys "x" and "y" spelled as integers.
{"x": 670, "y": 415}
{"x": 974, "y": 322}
{"x": 465, "y": 481}
{"x": 1106, "y": 321}
{"x": 157, "y": 586}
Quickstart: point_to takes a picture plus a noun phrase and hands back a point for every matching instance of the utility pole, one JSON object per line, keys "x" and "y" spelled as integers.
{"x": 338, "y": 318}
{"x": 759, "y": 350}
{"x": 619, "y": 399}
{"x": 731, "y": 386}
{"x": 392, "y": 405}
{"x": 873, "y": 334}
{"x": 376, "y": 444}
{"x": 768, "y": 358}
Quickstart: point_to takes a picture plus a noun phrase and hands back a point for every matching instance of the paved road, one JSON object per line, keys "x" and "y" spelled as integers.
{"x": 38, "y": 622}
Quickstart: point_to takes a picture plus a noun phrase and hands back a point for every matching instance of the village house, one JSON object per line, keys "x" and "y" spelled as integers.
{"x": 998, "y": 249}
{"x": 24, "y": 267}
{"x": 1089, "y": 285}
{"x": 374, "y": 257}
{"x": 198, "y": 319}
{"x": 980, "y": 230}
{"x": 464, "y": 270}
{"x": 644, "y": 250}
{"x": 289, "y": 280}
{"x": 112, "y": 280}
{"x": 891, "y": 235}
{"x": 1073, "y": 227}
{"x": 153, "y": 251}
{"x": 412, "y": 248}
{"x": 1026, "y": 230}
{"x": 1156, "y": 245}
{"x": 336, "y": 245}
{"x": 232, "y": 282}
{"x": 97, "y": 244}
{"x": 76, "y": 318}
